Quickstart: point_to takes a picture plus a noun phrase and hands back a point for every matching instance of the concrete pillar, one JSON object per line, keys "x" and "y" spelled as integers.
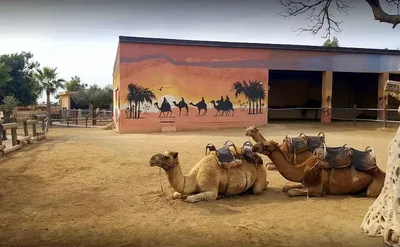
{"x": 327, "y": 78}
{"x": 382, "y": 96}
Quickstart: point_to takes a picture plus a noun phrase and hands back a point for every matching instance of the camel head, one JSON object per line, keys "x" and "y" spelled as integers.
{"x": 166, "y": 160}
{"x": 251, "y": 131}
{"x": 265, "y": 148}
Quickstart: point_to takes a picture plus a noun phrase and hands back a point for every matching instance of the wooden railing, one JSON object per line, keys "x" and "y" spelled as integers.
{"x": 18, "y": 141}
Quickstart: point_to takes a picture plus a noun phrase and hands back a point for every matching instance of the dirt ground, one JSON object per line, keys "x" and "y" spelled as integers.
{"x": 91, "y": 187}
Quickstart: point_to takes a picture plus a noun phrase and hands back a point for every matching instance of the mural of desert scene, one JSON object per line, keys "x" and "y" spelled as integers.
{"x": 189, "y": 101}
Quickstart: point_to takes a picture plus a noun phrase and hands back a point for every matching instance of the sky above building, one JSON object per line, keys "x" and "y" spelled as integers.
{"x": 81, "y": 37}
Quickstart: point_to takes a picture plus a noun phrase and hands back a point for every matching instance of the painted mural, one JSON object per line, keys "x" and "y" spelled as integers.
{"x": 139, "y": 100}
{"x": 155, "y": 92}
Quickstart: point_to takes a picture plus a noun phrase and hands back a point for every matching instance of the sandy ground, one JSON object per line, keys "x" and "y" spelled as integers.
{"x": 91, "y": 187}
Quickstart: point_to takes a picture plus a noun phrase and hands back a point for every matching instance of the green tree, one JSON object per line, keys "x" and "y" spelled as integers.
{"x": 95, "y": 97}
{"x": 20, "y": 81}
{"x": 75, "y": 84}
{"x": 322, "y": 13}
{"x": 4, "y": 76}
{"x": 49, "y": 81}
{"x": 9, "y": 103}
{"x": 331, "y": 43}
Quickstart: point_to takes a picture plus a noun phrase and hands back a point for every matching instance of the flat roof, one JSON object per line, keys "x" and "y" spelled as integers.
{"x": 164, "y": 41}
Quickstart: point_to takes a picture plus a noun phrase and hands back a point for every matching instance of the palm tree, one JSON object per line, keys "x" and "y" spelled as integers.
{"x": 253, "y": 94}
{"x": 47, "y": 77}
{"x": 146, "y": 95}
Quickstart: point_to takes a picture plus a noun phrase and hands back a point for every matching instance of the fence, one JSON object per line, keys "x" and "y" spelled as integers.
{"x": 18, "y": 141}
{"x": 353, "y": 113}
{"x": 83, "y": 118}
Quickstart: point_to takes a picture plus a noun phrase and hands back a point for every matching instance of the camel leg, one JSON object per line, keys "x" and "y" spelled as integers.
{"x": 286, "y": 188}
{"x": 180, "y": 111}
{"x": 303, "y": 192}
{"x": 177, "y": 195}
{"x": 314, "y": 192}
{"x": 375, "y": 187}
{"x": 203, "y": 196}
{"x": 261, "y": 183}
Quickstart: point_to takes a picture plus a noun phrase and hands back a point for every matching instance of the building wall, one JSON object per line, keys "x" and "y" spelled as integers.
{"x": 65, "y": 101}
{"x": 191, "y": 74}
{"x": 116, "y": 92}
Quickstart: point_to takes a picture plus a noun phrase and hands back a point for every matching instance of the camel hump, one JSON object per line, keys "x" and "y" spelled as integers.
{"x": 341, "y": 157}
{"x": 229, "y": 155}
{"x": 303, "y": 142}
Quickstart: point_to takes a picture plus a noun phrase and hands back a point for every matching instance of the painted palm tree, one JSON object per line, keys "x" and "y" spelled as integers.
{"x": 257, "y": 93}
{"x": 254, "y": 92}
{"x": 138, "y": 95}
{"x": 145, "y": 95}
{"x": 132, "y": 97}
{"x": 261, "y": 95}
{"x": 49, "y": 81}
{"x": 242, "y": 88}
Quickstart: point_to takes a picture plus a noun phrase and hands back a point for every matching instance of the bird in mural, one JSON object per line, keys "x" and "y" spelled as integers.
{"x": 160, "y": 89}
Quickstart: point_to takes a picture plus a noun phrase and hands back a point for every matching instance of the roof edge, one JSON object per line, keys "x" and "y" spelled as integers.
{"x": 168, "y": 41}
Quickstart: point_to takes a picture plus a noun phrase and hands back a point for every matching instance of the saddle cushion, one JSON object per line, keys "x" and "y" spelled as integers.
{"x": 341, "y": 157}
{"x": 338, "y": 157}
{"x": 303, "y": 143}
{"x": 363, "y": 160}
{"x": 230, "y": 153}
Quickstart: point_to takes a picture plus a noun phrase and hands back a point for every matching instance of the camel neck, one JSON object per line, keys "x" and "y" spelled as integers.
{"x": 291, "y": 172}
{"x": 257, "y": 137}
{"x": 176, "y": 178}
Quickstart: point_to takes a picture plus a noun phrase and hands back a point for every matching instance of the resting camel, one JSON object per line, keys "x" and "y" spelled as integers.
{"x": 296, "y": 149}
{"x": 209, "y": 178}
{"x": 346, "y": 171}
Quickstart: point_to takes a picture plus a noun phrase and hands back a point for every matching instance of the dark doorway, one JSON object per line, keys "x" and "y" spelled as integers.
{"x": 360, "y": 89}
{"x": 294, "y": 89}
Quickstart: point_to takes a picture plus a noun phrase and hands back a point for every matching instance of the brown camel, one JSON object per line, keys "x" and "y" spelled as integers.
{"x": 208, "y": 178}
{"x": 318, "y": 177}
{"x": 293, "y": 157}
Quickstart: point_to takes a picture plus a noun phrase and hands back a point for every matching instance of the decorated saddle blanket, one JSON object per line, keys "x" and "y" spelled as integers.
{"x": 232, "y": 155}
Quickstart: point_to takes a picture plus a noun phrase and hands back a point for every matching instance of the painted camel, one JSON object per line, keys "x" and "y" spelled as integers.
{"x": 342, "y": 173}
{"x": 209, "y": 178}
{"x": 296, "y": 149}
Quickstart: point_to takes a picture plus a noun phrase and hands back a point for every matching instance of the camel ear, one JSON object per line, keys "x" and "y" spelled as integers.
{"x": 174, "y": 154}
{"x": 256, "y": 128}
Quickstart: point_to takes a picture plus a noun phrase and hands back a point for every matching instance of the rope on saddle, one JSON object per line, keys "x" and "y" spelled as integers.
{"x": 302, "y": 181}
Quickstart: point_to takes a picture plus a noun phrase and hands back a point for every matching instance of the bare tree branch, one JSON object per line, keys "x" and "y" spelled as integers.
{"x": 321, "y": 13}
{"x": 381, "y": 15}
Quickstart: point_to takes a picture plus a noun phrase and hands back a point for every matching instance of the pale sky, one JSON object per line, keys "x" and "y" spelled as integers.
{"x": 81, "y": 37}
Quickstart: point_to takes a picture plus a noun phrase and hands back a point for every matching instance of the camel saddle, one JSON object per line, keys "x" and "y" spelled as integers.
{"x": 341, "y": 157}
{"x": 230, "y": 156}
{"x": 303, "y": 142}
